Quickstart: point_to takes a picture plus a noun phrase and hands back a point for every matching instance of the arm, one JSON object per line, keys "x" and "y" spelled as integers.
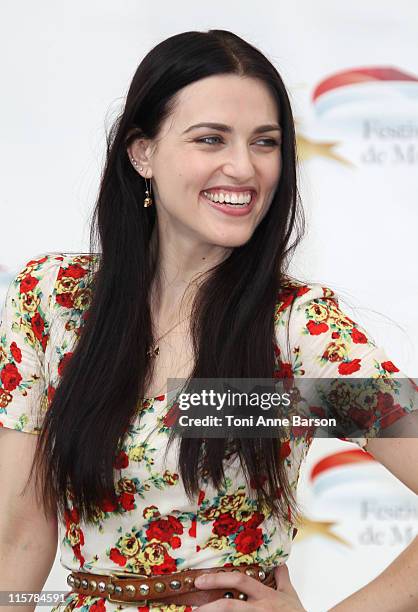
{"x": 396, "y": 588}
{"x": 28, "y": 542}
{"x": 332, "y": 346}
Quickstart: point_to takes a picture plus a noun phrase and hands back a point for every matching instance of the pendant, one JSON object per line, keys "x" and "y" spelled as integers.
{"x": 153, "y": 352}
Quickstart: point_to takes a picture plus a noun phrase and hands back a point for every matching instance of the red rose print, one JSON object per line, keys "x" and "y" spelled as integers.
{"x": 34, "y": 262}
{"x": 284, "y": 371}
{"x": 316, "y": 328}
{"x": 175, "y": 524}
{"x": 318, "y": 411}
{"x": 168, "y": 567}
{"x": 65, "y": 300}
{"x": 201, "y": 497}
{"x": 348, "y": 367}
{"x": 74, "y": 515}
{"x": 51, "y": 393}
{"x": 389, "y": 366}
{"x": 78, "y": 555}
{"x": 225, "y": 524}
{"x": 302, "y": 290}
{"x": 163, "y": 530}
{"x": 171, "y": 416}
{"x": 44, "y": 342}
{"x": 80, "y": 600}
{"x": 358, "y": 336}
{"x": 108, "y": 505}
{"x": 10, "y": 377}
{"x": 73, "y": 271}
{"x": 16, "y": 352}
{"x": 256, "y": 520}
{"x": 28, "y": 283}
{"x": 38, "y": 325}
{"x": 121, "y": 461}
{"x": 116, "y": 557}
{"x": 99, "y": 606}
{"x": 248, "y": 540}
{"x": 303, "y": 431}
{"x": 362, "y": 418}
{"x": 192, "y": 530}
{"x": 335, "y": 335}
{"x": 63, "y": 362}
{"x": 175, "y": 542}
{"x": 390, "y": 412}
{"x": 127, "y": 501}
{"x": 285, "y": 298}
{"x": 285, "y": 449}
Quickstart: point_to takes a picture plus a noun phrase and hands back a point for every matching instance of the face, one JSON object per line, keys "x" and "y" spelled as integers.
{"x": 231, "y": 163}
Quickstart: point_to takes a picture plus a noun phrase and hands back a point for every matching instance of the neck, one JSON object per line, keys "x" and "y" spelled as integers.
{"x": 181, "y": 267}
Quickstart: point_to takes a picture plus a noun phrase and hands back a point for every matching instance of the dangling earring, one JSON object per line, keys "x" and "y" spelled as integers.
{"x": 148, "y": 196}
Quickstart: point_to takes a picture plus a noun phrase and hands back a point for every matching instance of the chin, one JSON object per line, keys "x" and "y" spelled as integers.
{"x": 231, "y": 242}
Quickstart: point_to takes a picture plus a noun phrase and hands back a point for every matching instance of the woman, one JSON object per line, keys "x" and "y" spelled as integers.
{"x": 196, "y": 209}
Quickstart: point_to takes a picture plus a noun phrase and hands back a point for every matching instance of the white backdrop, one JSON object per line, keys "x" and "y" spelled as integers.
{"x": 65, "y": 70}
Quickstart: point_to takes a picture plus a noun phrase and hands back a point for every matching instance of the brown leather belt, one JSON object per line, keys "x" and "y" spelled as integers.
{"x": 176, "y": 588}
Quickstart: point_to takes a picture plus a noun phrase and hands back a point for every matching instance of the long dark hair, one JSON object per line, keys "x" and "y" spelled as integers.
{"x": 97, "y": 398}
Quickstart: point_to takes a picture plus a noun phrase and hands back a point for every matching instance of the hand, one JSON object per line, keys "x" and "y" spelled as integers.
{"x": 260, "y": 596}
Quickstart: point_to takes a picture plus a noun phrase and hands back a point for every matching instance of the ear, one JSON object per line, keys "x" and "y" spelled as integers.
{"x": 141, "y": 150}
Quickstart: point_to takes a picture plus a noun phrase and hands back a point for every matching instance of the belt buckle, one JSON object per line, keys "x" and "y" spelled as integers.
{"x": 140, "y": 602}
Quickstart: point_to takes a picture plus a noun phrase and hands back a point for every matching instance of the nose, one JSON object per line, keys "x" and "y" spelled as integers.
{"x": 239, "y": 163}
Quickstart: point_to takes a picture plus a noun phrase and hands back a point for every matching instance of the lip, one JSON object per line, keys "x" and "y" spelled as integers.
{"x": 228, "y": 210}
{"x": 232, "y": 188}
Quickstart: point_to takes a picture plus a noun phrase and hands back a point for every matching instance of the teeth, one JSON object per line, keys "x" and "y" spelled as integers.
{"x": 240, "y": 200}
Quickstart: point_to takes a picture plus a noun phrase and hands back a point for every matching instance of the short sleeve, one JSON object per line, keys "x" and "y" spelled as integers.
{"x": 326, "y": 343}
{"x": 24, "y": 337}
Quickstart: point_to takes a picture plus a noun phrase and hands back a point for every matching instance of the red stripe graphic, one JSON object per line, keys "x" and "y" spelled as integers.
{"x": 360, "y": 75}
{"x": 348, "y": 457}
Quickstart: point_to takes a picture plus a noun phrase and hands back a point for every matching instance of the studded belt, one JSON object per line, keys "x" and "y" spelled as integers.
{"x": 174, "y": 588}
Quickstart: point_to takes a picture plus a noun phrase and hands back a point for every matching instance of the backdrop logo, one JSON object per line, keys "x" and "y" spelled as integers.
{"x": 371, "y": 112}
{"x": 327, "y": 472}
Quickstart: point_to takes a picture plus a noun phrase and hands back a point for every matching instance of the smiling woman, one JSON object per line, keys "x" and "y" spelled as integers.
{"x": 200, "y": 179}
{"x": 196, "y": 219}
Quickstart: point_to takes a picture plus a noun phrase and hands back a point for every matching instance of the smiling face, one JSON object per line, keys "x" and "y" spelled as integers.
{"x": 185, "y": 161}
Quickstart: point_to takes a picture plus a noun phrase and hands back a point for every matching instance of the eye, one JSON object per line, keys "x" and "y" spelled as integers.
{"x": 206, "y": 138}
{"x": 270, "y": 141}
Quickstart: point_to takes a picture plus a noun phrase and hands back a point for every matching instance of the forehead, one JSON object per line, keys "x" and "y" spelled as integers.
{"x": 225, "y": 98}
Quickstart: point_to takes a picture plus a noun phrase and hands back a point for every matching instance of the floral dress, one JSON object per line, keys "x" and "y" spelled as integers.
{"x": 153, "y": 527}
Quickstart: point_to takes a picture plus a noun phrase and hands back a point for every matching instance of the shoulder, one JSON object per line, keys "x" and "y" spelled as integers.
{"x": 46, "y": 282}
{"x": 52, "y": 273}
{"x": 298, "y": 297}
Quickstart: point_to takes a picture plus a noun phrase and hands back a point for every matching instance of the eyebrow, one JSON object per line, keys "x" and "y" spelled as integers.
{"x": 226, "y": 128}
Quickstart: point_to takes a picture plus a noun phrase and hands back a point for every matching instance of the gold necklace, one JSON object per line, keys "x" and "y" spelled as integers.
{"x": 155, "y": 349}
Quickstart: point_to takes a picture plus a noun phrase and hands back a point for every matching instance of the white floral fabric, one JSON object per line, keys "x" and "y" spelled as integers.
{"x": 153, "y": 527}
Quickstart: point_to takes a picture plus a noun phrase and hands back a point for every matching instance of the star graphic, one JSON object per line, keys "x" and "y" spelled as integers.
{"x": 308, "y": 149}
{"x": 310, "y": 527}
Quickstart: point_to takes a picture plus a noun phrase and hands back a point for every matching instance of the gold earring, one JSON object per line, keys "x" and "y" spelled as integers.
{"x": 148, "y": 196}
